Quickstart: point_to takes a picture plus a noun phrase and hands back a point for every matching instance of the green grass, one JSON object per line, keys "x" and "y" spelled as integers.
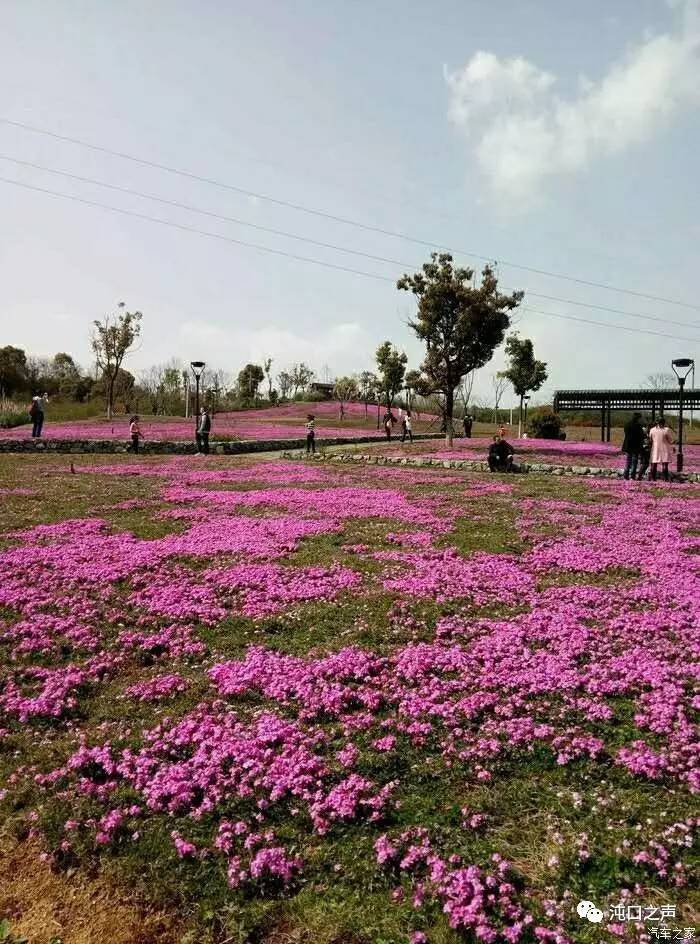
{"x": 343, "y": 898}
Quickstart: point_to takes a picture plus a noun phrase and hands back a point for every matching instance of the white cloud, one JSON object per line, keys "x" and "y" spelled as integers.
{"x": 521, "y": 131}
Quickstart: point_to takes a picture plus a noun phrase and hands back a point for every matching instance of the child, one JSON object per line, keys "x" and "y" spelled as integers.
{"x": 135, "y": 433}
{"x": 310, "y": 434}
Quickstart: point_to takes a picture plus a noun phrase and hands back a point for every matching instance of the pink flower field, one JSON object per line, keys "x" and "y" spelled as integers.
{"x": 283, "y": 422}
{"x": 355, "y": 704}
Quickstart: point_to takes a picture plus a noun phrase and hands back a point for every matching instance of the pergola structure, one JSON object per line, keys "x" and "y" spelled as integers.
{"x": 605, "y": 401}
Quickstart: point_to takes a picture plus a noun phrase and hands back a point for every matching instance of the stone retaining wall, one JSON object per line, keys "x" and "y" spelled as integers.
{"x": 475, "y": 465}
{"x": 152, "y": 447}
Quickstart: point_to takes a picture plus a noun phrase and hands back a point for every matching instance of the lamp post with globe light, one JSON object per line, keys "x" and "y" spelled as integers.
{"x": 197, "y": 370}
{"x": 682, "y": 366}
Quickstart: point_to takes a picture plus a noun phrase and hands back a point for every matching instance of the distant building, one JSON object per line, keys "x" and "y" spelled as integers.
{"x": 322, "y": 389}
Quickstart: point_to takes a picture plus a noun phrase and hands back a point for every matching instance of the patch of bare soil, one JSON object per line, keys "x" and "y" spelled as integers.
{"x": 47, "y": 907}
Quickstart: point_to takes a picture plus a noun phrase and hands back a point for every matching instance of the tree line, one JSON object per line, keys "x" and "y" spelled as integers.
{"x": 460, "y": 320}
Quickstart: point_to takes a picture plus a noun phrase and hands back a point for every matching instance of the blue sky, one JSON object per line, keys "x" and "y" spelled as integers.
{"x": 558, "y": 135}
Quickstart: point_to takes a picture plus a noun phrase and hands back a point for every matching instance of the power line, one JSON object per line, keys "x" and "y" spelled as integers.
{"x": 298, "y": 258}
{"x": 431, "y": 244}
{"x": 314, "y": 242}
{"x": 192, "y": 229}
{"x": 601, "y": 324}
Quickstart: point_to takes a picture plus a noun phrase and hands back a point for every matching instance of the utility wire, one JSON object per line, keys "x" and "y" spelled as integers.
{"x": 314, "y": 242}
{"x": 600, "y": 324}
{"x": 289, "y": 255}
{"x": 431, "y": 244}
{"x": 192, "y": 229}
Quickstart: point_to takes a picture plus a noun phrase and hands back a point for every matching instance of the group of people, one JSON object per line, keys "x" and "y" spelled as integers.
{"x": 647, "y": 447}
{"x": 201, "y": 434}
{"x": 405, "y": 422}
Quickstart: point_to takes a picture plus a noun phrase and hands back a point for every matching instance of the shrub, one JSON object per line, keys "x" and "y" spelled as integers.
{"x": 544, "y": 423}
{"x": 14, "y": 418}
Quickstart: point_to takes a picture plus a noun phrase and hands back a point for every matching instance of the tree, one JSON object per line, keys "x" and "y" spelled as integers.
{"x": 112, "y": 339}
{"x": 499, "y": 382}
{"x": 524, "y": 371}
{"x": 392, "y": 370}
{"x": 40, "y": 375}
{"x": 661, "y": 381}
{"x": 461, "y": 324}
{"x": 249, "y": 379}
{"x": 66, "y": 374}
{"x": 367, "y": 384}
{"x": 465, "y": 388}
{"x": 267, "y": 364}
{"x": 285, "y": 382}
{"x": 345, "y": 389}
{"x": 302, "y": 375}
{"x": 13, "y": 370}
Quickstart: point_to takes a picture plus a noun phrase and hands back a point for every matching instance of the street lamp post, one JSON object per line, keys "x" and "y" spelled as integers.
{"x": 682, "y": 366}
{"x": 197, "y": 370}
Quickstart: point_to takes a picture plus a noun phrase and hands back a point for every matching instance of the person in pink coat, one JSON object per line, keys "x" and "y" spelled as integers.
{"x": 661, "y": 448}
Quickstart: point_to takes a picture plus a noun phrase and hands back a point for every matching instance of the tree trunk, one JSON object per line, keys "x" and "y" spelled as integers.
{"x": 449, "y": 410}
{"x": 110, "y": 398}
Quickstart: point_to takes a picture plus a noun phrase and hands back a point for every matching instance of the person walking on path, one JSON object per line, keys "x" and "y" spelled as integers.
{"x": 135, "y": 433}
{"x": 632, "y": 445}
{"x": 388, "y": 423}
{"x": 661, "y": 448}
{"x": 645, "y": 454}
{"x": 406, "y": 429}
{"x": 467, "y": 422}
{"x": 203, "y": 430}
{"x": 310, "y": 434}
{"x": 36, "y": 412}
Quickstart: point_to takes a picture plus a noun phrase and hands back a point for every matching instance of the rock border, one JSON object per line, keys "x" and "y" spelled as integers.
{"x": 184, "y": 448}
{"x": 476, "y": 465}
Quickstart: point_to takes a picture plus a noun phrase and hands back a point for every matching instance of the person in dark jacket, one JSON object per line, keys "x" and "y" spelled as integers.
{"x": 467, "y": 422}
{"x": 500, "y": 455}
{"x": 632, "y": 445}
{"x": 388, "y": 421}
{"x": 203, "y": 430}
{"x": 310, "y": 433}
{"x": 645, "y": 453}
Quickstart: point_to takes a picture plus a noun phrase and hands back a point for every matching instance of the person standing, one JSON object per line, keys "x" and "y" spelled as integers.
{"x": 406, "y": 429}
{"x": 203, "y": 430}
{"x": 661, "y": 448}
{"x": 388, "y": 423}
{"x": 36, "y": 412}
{"x": 310, "y": 434}
{"x": 645, "y": 454}
{"x": 135, "y": 433}
{"x": 632, "y": 445}
{"x": 467, "y": 422}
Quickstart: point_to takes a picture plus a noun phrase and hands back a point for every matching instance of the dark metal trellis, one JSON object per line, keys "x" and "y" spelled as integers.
{"x": 605, "y": 401}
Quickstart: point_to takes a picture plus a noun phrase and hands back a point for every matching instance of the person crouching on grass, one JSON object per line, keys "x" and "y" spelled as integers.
{"x": 310, "y": 434}
{"x": 500, "y": 455}
{"x": 203, "y": 430}
{"x": 135, "y": 433}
